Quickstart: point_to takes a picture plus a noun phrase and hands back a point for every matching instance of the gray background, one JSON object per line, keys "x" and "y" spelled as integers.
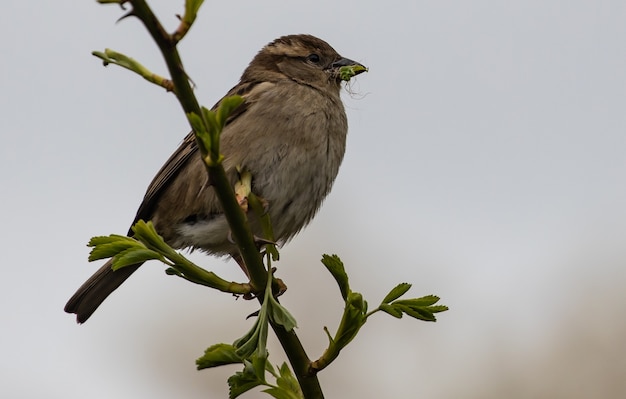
{"x": 485, "y": 164}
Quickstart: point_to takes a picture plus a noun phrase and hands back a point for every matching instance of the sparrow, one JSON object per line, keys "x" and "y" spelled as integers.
{"x": 289, "y": 133}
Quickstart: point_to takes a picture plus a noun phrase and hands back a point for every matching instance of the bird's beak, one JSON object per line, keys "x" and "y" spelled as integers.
{"x": 345, "y": 68}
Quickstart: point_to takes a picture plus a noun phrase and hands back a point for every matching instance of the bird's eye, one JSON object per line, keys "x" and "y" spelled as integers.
{"x": 314, "y": 58}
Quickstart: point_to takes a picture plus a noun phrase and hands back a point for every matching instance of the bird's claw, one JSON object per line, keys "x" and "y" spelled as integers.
{"x": 278, "y": 288}
{"x": 259, "y": 241}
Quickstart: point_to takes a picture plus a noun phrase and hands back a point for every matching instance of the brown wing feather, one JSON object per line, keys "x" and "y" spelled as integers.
{"x": 181, "y": 157}
{"x": 168, "y": 171}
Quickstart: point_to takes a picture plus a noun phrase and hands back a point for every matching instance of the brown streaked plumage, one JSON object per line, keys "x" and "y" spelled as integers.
{"x": 290, "y": 133}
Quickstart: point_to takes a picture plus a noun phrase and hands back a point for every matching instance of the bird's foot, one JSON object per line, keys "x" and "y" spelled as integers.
{"x": 259, "y": 241}
{"x": 278, "y": 288}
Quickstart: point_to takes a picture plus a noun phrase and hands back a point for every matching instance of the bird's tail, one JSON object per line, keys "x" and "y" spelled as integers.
{"x": 95, "y": 290}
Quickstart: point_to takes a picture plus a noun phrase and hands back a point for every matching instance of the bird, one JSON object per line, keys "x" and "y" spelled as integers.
{"x": 289, "y": 133}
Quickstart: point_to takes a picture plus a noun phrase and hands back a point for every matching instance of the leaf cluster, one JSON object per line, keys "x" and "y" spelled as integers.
{"x": 147, "y": 245}
{"x": 355, "y": 312}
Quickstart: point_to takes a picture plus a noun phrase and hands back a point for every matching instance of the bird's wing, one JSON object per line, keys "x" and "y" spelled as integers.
{"x": 184, "y": 153}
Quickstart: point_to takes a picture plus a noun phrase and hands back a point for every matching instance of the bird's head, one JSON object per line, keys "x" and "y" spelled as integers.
{"x": 304, "y": 59}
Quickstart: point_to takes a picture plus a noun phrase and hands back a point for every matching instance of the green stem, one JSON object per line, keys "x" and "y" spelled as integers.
{"x": 239, "y": 227}
{"x": 300, "y": 362}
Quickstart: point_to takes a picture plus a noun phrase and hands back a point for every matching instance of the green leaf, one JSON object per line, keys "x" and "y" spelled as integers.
{"x": 280, "y": 393}
{"x": 417, "y": 313}
{"x": 335, "y": 267}
{"x": 196, "y": 122}
{"x": 352, "y": 320}
{"x": 258, "y": 363}
{"x": 390, "y": 309}
{"x": 100, "y": 240}
{"x": 255, "y": 340}
{"x": 418, "y": 308}
{"x": 280, "y": 315}
{"x": 133, "y": 256}
{"x": 423, "y": 301}
{"x": 108, "y": 247}
{"x": 347, "y": 72}
{"x": 218, "y": 355}
{"x": 288, "y": 381}
{"x": 211, "y": 119}
{"x": 246, "y": 345}
{"x": 288, "y": 387}
{"x": 243, "y": 381}
{"x": 438, "y": 308}
{"x": 397, "y": 292}
{"x": 214, "y": 130}
{"x": 226, "y": 107}
{"x": 147, "y": 234}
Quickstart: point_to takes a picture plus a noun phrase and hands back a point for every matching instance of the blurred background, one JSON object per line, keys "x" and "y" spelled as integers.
{"x": 485, "y": 164}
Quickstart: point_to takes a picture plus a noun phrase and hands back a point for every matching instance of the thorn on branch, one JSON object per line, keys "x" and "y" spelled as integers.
{"x": 130, "y": 13}
{"x": 120, "y": 2}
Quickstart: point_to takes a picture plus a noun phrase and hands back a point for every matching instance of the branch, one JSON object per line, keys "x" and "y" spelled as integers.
{"x": 112, "y": 57}
{"x": 237, "y": 221}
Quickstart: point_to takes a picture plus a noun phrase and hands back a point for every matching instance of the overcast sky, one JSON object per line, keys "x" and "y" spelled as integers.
{"x": 485, "y": 164}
